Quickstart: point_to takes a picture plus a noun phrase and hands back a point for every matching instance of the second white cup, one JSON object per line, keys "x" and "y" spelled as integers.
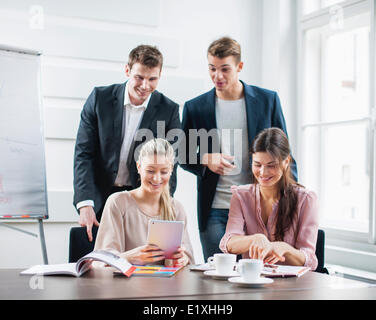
{"x": 250, "y": 269}
{"x": 224, "y": 262}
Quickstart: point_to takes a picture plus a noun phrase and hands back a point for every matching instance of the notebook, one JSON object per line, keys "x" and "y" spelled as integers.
{"x": 282, "y": 271}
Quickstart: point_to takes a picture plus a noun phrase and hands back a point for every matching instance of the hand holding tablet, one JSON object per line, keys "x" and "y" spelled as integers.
{"x": 144, "y": 255}
{"x": 167, "y": 236}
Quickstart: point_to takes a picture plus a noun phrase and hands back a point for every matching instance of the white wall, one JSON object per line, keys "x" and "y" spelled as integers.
{"x": 279, "y": 58}
{"x": 85, "y": 43}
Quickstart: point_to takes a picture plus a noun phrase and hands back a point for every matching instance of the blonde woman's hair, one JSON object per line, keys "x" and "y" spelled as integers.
{"x": 161, "y": 147}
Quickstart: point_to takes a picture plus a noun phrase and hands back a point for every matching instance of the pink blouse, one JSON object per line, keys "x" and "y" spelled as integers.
{"x": 245, "y": 219}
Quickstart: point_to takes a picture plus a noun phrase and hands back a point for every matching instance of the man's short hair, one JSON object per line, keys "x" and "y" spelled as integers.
{"x": 225, "y": 47}
{"x": 146, "y": 55}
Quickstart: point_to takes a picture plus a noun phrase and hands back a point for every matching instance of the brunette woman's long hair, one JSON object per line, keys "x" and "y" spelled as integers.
{"x": 274, "y": 141}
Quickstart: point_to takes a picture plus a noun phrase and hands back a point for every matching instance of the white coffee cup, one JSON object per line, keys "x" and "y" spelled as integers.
{"x": 223, "y": 262}
{"x": 250, "y": 269}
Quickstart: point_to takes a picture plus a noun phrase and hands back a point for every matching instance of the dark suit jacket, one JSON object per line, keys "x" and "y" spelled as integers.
{"x": 99, "y": 140}
{"x": 263, "y": 110}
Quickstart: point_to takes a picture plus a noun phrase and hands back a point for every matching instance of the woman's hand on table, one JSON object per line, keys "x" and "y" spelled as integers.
{"x": 261, "y": 248}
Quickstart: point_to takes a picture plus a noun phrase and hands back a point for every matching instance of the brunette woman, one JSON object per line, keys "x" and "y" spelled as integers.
{"x": 275, "y": 219}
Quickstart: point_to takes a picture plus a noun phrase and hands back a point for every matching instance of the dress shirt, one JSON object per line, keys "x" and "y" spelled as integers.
{"x": 131, "y": 121}
{"x": 245, "y": 219}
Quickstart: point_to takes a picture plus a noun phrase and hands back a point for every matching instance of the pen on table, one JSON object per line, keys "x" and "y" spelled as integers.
{"x": 272, "y": 266}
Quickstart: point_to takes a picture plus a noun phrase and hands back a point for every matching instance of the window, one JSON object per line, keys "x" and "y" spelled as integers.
{"x": 336, "y": 131}
{"x": 310, "y": 6}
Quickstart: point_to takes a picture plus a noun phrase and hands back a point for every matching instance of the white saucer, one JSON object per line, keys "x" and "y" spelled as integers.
{"x": 254, "y": 284}
{"x": 202, "y": 267}
{"x": 215, "y": 275}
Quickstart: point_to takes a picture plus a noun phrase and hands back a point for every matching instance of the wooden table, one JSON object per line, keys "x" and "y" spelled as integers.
{"x": 186, "y": 284}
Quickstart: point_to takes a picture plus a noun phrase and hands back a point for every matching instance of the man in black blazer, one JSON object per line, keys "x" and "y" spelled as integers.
{"x": 232, "y": 105}
{"x": 109, "y": 134}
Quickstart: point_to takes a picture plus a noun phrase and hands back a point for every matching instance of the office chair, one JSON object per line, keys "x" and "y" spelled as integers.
{"x": 320, "y": 252}
{"x": 79, "y": 244}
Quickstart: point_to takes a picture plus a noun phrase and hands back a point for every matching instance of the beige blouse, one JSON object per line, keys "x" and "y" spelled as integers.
{"x": 124, "y": 226}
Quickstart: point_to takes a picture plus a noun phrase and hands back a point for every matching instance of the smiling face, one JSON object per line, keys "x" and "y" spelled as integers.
{"x": 155, "y": 172}
{"x": 142, "y": 81}
{"x": 266, "y": 169}
{"x": 224, "y": 72}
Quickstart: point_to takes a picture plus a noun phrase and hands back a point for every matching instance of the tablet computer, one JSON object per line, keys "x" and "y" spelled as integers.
{"x": 167, "y": 235}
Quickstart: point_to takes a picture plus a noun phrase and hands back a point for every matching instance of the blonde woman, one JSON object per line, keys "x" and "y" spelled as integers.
{"x": 124, "y": 225}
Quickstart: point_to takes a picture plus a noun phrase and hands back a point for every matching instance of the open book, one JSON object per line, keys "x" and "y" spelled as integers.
{"x": 283, "y": 271}
{"x": 81, "y": 266}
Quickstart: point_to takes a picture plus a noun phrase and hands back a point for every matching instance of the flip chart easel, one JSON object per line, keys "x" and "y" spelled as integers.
{"x": 23, "y": 191}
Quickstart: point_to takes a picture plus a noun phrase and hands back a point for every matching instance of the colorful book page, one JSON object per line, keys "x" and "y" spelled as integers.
{"x": 155, "y": 271}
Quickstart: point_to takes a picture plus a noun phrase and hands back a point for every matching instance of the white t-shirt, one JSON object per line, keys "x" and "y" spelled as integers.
{"x": 231, "y": 120}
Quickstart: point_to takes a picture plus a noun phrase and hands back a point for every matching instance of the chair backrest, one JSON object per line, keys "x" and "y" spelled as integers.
{"x": 79, "y": 244}
{"x": 320, "y": 252}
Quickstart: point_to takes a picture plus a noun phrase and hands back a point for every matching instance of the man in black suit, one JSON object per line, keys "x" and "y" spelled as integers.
{"x": 108, "y": 135}
{"x": 231, "y": 109}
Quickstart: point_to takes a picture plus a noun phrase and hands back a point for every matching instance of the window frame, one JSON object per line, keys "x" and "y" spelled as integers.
{"x": 321, "y": 18}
